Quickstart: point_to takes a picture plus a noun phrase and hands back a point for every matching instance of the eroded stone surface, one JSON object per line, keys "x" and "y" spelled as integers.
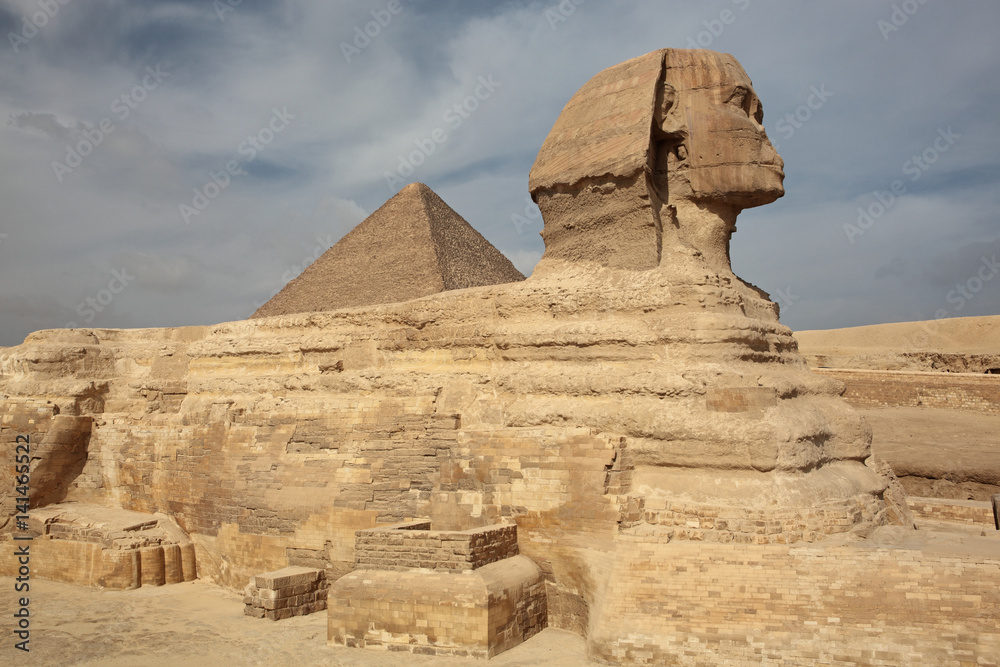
{"x": 100, "y": 546}
{"x": 655, "y": 157}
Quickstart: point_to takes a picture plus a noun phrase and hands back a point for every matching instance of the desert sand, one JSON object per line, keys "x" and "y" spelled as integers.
{"x": 939, "y": 453}
{"x": 959, "y": 345}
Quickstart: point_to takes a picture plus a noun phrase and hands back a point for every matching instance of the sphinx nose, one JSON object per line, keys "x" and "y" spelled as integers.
{"x": 771, "y": 155}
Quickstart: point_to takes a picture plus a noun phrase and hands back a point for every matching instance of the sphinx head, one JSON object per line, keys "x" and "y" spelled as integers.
{"x": 674, "y": 129}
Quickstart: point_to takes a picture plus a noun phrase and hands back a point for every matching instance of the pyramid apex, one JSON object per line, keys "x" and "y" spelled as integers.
{"x": 415, "y": 188}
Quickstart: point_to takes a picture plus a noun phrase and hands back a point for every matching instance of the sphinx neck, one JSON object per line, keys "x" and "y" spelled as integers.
{"x": 708, "y": 227}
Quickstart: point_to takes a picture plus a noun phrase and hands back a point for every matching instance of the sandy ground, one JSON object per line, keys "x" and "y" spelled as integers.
{"x": 197, "y": 623}
{"x": 939, "y": 453}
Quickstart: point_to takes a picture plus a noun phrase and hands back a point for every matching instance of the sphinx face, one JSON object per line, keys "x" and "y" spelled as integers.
{"x": 730, "y": 158}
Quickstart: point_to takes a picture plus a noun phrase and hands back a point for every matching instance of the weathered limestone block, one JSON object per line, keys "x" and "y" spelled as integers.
{"x": 101, "y": 546}
{"x": 956, "y": 511}
{"x": 290, "y": 591}
{"x": 438, "y": 592}
{"x": 413, "y": 544}
{"x": 477, "y": 613}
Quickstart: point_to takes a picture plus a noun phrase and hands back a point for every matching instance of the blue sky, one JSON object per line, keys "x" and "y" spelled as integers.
{"x": 285, "y": 119}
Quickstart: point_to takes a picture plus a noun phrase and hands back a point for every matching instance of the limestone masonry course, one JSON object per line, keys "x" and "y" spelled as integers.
{"x": 627, "y": 444}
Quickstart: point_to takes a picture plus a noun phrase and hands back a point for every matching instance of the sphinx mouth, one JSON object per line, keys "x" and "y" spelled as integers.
{"x": 776, "y": 167}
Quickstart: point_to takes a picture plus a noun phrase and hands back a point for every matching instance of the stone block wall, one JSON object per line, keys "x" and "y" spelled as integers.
{"x": 691, "y": 604}
{"x": 673, "y": 520}
{"x": 884, "y": 389}
{"x": 411, "y": 545}
{"x": 290, "y": 591}
{"x": 465, "y": 593}
{"x": 961, "y": 511}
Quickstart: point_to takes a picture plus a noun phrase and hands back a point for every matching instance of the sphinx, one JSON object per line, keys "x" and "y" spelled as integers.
{"x": 632, "y": 406}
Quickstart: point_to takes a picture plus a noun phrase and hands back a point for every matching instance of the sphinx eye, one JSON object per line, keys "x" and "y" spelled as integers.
{"x": 758, "y": 114}
{"x": 741, "y": 99}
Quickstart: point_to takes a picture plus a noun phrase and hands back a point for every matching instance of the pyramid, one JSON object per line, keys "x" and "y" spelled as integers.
{"x": 413, "y": 246}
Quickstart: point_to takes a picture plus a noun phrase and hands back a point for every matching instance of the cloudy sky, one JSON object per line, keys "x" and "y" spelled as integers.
{"x": 177, "y": 162}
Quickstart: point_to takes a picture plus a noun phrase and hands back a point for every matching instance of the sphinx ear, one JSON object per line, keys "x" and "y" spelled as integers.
{"x": 665, "y": 118}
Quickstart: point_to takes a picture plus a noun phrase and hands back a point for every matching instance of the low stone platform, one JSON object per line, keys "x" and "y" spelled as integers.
{"x": 463, "y": 593}
{"x": 108, "y": 547}
{"x": 291, "y": 591}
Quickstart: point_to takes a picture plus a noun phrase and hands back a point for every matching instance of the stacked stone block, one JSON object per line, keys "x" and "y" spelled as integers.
{"x": 684, "y": 603}
{"x": 672, "y": 520}
{"x": 462, "y": 593}
{"x": 413, "y": 545}
{"x": 291, "y": 591}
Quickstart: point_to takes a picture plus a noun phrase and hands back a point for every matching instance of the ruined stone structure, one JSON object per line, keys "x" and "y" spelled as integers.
{"x": 636, "y": 410}
{"x": 290, "y": 591}
{"x": 112, "y": 548}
